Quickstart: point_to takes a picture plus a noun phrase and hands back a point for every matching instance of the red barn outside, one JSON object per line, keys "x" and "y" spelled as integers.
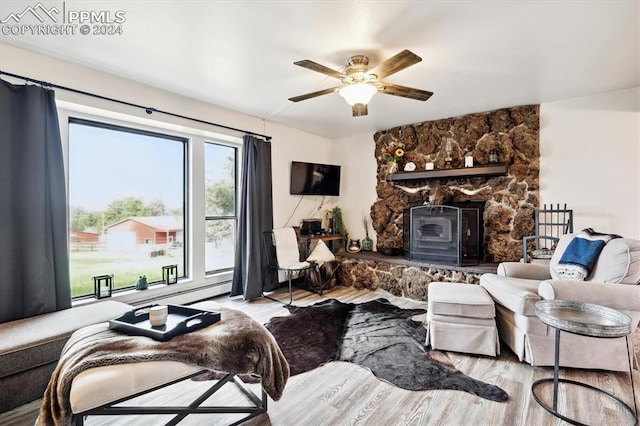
{"x": 145, "y": 233}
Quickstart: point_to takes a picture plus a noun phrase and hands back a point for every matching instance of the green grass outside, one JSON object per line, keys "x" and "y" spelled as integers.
{"x": 125, "y": 268}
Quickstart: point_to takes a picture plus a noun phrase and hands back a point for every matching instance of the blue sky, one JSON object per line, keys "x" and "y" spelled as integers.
{"x": 216, "y": 162}
{"x": 106, "y": 165}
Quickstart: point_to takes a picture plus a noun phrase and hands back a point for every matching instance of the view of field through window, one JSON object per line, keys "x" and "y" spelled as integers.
{"x": 126, "y": 205}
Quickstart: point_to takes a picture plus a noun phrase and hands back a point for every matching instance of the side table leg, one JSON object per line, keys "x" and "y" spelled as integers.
{"x": 556, "y": 368}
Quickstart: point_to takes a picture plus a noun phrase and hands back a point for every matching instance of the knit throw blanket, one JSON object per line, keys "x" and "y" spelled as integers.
{"x": 236, "y": 344}
{"x": 581, "y": 254}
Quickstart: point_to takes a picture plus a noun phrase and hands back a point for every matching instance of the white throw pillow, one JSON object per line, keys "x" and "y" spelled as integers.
{"x": 321, "y": 253}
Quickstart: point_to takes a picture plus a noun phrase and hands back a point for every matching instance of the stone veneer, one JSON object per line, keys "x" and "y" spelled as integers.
{"x": 399, "y": 280}
{"x": 510, "y": 200}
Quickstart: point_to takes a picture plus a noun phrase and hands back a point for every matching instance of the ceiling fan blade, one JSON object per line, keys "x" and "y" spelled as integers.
{"x": 313, "y": 94}
{"x": 395, "y": 63}
{"x": 359, "y": 110}
{"x": 314, "y": 66}
{"x": 405, "y": 92}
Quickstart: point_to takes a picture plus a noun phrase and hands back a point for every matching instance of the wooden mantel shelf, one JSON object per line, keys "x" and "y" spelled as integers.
{"x": 496, "y": 170}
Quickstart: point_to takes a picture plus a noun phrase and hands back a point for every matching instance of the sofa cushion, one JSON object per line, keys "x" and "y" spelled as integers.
{"x": 321, "y": 254}
{"x": 461, "y": 300}
{"x": 619, "y": 261}
{"x": 38, "y": 340}
{"x": 519, "y": 295}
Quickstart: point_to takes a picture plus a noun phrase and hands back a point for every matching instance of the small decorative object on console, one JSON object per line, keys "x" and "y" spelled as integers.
{"x": 310, "y": 226}
{"x": 429, "y": 166}
{"x": 468, "y": 161}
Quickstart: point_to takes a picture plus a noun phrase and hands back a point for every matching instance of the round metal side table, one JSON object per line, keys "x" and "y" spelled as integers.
{"x": 585, "y": 319}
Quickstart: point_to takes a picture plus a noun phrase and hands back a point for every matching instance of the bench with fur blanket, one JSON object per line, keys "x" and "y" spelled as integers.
{"x": 237, "y": 344}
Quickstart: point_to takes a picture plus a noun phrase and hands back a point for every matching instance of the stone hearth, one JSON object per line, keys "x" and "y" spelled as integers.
{"x": 510, "y": 200}
{"x": 401, "y": 277}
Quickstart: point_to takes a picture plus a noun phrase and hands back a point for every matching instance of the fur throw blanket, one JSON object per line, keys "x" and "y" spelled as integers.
{"x": 236, "y": 344}
{"x": 581, "y": 254}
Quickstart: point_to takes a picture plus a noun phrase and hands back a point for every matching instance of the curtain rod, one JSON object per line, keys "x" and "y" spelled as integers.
{"x": 148, "y": 110}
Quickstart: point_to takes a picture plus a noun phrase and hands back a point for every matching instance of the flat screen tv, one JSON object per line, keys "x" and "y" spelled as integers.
{"x": 314, "y": 179}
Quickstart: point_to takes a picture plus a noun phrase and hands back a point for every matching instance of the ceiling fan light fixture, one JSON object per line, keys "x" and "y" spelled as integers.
{"x": 359, "y": 83}
{"x": 358, "y": 93}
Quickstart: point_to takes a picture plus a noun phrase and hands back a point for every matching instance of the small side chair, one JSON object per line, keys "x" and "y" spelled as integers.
{"x": 550, "y": 224}
{"x": 283, "y": 255}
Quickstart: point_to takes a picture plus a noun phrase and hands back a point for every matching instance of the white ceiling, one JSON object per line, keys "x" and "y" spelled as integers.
{"x": 477, "y": 55}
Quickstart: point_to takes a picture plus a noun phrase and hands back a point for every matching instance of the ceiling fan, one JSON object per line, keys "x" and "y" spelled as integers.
{"x": 359, "y": 84}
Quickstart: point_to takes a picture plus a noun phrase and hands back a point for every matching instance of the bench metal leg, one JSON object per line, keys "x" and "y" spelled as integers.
{"x": 259, "y": 404}
{"x": 79, "y": 419}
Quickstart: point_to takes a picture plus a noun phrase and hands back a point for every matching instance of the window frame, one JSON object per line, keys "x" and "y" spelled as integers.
{"x": 237, "y": 193}
{"x": 185, "y": 190}
{"x": 196, "y": 280}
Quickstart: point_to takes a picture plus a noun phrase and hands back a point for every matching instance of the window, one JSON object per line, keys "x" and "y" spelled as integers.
{"x": 127, "y": 201}
{"x": 220, "y": 206}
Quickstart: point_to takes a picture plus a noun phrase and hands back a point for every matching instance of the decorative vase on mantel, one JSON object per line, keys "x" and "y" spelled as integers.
{"x": 392, "y": 167}
{"x": 354, "y": 246}
{"x": 367, "y": 243}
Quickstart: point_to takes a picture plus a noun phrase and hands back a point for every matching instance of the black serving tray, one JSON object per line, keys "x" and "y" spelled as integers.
{"x": 180, "y": 320}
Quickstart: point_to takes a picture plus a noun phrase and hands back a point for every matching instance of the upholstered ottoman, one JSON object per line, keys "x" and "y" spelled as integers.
{"x": 461, "y": 318}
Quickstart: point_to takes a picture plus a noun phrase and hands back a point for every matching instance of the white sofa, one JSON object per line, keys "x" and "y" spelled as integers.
{"x": 614, "y": 282}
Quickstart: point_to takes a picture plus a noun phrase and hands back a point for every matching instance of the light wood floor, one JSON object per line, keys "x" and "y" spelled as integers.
{"x": 341, "y": 393}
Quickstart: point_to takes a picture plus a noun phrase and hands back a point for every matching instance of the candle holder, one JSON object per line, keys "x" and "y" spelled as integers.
{"x": 170, "y": 274}
{"x": 448, "y": 160}
{"x": 493, "y": 156}
{"x": 103, "y": 286}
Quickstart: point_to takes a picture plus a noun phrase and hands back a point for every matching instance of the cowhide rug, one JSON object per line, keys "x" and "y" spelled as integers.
{"x": 376, "y": 335}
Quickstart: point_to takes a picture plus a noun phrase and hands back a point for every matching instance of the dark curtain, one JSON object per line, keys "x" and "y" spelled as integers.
{"x": 254, "y": 218}
{"x": 34, "y": 261}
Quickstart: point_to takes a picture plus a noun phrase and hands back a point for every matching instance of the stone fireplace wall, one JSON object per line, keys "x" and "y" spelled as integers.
{"x": 510, "y": 200}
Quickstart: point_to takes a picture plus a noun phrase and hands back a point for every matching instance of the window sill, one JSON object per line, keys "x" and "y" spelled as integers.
{"x": 181, "y": 293}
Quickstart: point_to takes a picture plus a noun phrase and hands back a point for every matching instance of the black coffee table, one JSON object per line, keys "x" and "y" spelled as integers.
{"x": 585, "y": 319}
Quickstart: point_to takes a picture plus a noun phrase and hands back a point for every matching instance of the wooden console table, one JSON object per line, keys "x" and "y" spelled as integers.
{"x": 307, "y": 240}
